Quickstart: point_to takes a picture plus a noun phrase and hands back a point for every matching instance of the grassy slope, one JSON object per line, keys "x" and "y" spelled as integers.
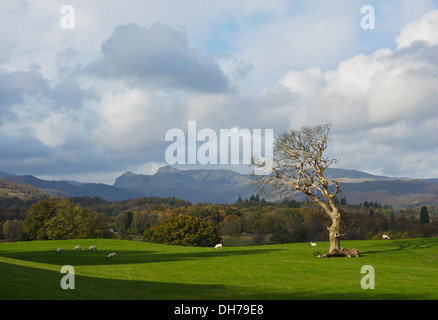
{"x": 404, "y": 269}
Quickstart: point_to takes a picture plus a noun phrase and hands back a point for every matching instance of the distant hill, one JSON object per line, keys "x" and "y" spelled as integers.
{"x": 395, "y": 192}
{"x": 352, "y": 175}
{"x": 191, "y": 185}
{"x": 4, "y": 174}
{"x": 23, "y": 191}
{"x": 226, "y": 185}
{"x": 68, "y": 189}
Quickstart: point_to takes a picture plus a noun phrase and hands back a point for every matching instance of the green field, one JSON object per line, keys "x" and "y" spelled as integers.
{"x": 404, "y": 269}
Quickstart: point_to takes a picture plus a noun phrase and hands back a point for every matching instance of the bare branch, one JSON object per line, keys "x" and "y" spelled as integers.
{"x": 299, "y": 165}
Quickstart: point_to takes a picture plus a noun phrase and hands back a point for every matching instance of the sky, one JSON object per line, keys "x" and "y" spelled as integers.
{"x": 88, "y": 92}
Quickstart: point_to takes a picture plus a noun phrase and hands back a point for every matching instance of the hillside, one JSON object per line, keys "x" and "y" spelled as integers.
{"x": 191, "y": 185}
{"x": 23, "y": 191}
{"x": 398, "y": 193}
{"x": 68, "y": 189}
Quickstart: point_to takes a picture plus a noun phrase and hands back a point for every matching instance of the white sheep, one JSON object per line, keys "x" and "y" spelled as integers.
{"x": 92, "y": 248}
{"x": 77, "y": 248}
{"x": 111, "y": 256}
{"x": 59, "y": 251}
{"x": 385, "y": 237}
{"x": 313, "y": 244}
{"x": 218, "y": 246}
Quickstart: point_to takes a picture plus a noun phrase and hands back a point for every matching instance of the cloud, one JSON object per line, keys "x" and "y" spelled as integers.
{"x": 383, "y": 105}
{"x": 369, "y": 90}
{"x": 6, "y": 48}
{"x": 423, "y": 29}
{"x": 135, "y": 120}
{"x": 158, "y": 56}
{"x": 93, "y": 104}
{"x": 15, "y": 6}
{"x": 21, "y": 147}
{"x": 16, "y": 85}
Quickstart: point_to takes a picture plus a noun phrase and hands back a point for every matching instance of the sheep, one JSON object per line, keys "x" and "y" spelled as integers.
{"x": 92, "y": 248}
{"x": 313, "y": 244}
{"x": 111, "y": 256}
{"x": 385, "y": 237}
{"x": 218, "y": 246}
{"x": 77, "y": 248}
{"x": 59, "y": 251}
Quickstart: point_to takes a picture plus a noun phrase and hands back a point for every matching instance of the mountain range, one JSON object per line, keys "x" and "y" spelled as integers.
{"x": 222, "y": 186}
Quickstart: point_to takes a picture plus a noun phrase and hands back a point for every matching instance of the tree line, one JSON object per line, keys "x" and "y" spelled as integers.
{"x": 264, "y": 222}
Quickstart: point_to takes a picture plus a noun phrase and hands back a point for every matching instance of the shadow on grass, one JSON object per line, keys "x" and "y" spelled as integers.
{"x": 25, "y": 283}
{"x": 400, "y": 245}
{"x": 18, "y": 282}
{"x": 85, "y": 258}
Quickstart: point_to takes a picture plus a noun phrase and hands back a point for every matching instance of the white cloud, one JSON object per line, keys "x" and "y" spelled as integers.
{"x": 384, "y": 106}
{"x": 423, "y": 29}
{"x": 364, "y": 91}
{"x": 135, "y": 119}
{"x": 55, "y": 129}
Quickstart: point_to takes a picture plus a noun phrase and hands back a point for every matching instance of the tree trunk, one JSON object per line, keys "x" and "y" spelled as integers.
{"x": 334, "y": 233}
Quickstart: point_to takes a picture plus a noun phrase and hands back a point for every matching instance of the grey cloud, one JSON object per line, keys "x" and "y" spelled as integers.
{"x": 16, "y": 148}
{"x": 14, "y": 86}
{"x": 243, "y": 68}
{"x": 28, "y": 155}
{"x": 66, "y": 56}
{"x": 69, "y": 93}
{"x": 157, "y": 56}
{"x": 15, "y": 6}
{"x": 65, "y": 92}
{"x": 419, "y": 51}
{"x": 6, "y": 47}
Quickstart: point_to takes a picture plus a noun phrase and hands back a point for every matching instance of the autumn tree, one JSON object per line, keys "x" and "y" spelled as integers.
{"x": 299, "y": 164}
{"x": 183, "y": 230}
{"x": 13, "y": 229}
{"x": 61, "y": 219}
{"x": 36, "y": 217}
{"x": 74, "y": 222}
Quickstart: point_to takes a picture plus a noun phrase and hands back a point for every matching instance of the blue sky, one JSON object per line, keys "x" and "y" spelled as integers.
{"x": 91, "y": 103}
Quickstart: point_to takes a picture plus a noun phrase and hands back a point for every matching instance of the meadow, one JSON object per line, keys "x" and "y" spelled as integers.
{"x": 404, "y": 269}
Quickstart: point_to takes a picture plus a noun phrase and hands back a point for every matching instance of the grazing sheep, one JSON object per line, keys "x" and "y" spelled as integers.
{"x": 59, "y": 251}
{"x": 77, "y": 248}
{"x": 385, "y": 237}
{"x": 313, "y": 244}
{"x": 92, "y": 248}
{"x": 111, "y": 256}
{"x": 218, "y": 246}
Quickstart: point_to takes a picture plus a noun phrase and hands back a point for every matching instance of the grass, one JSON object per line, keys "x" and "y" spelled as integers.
{"x": 404, "y": 269}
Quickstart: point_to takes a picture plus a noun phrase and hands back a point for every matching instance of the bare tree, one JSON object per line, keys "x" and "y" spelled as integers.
{"x": 298, "y": 165}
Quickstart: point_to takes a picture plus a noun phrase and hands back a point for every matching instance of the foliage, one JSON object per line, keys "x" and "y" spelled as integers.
{"x": 34, "y": 227}
{"x": 184, "y": 230}
{"x": 424, "y": 215}
{"x": 13, "y": 229}
{"x": 61, "y": 219}
{"x": 263, "y": 222}
{"x": 23, "y": 191}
